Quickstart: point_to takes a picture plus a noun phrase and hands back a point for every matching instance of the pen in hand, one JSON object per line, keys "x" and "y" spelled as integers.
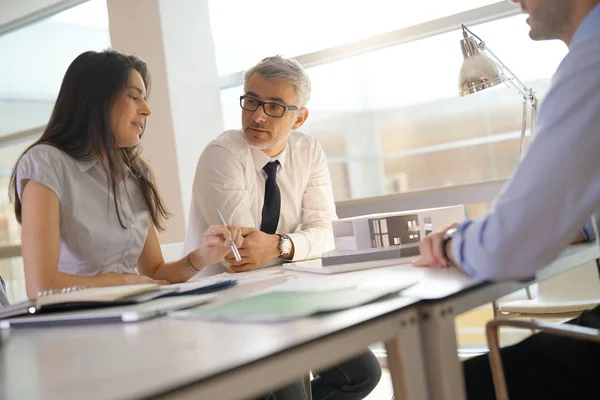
{"x": 234, "y": 248}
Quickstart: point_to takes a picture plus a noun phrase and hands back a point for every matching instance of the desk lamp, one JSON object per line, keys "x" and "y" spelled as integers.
{"x": 481, "y": 69}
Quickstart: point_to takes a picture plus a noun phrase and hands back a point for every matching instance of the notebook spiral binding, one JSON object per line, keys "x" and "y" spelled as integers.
{"x": 69, "y": 289}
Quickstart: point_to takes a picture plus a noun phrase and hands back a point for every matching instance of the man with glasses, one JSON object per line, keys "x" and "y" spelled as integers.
{"x": 553, "y": 192}
{"x": 267, "y": 175}
{"x": 270, "y": 177}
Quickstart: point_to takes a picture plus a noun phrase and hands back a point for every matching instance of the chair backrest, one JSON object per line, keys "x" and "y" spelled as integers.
{"x": 172, "y": 251}
{"x": 578, "y": 284}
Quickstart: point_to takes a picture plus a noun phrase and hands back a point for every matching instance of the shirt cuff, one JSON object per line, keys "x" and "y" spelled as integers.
{"x": 458, "y": 247}
{"x": 300, "y": 246}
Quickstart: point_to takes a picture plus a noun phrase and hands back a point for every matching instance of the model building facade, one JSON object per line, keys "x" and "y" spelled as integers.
{"x": 392, "y": 229}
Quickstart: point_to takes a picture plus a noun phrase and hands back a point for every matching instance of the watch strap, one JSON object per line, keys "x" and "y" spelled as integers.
{"x": 445, "y": 241}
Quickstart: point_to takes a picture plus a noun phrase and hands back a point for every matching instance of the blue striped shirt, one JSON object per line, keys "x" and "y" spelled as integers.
{"x": 556, "y": 188}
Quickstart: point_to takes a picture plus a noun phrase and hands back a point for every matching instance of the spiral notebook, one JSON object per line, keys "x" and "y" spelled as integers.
{"x": 71, "y": 299}
{"x": 78, "y": 298}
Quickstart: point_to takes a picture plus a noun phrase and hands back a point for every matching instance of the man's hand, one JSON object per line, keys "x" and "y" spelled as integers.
{"x": 257, "y": 249}
{"x": 431, "y": 252}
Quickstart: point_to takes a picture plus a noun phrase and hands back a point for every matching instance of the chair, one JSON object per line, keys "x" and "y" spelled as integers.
{"x": 492, "y": 333}
{"x": 564, "y": 296}
{"x": 172, "y": 251}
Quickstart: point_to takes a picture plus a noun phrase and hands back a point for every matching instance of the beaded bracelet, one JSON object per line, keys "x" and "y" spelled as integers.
{"x": 188, "y": 263}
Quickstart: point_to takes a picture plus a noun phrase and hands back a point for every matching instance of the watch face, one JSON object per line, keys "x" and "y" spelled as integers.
{"x": 449, "y": 233}
{"x": 285, "y": 246}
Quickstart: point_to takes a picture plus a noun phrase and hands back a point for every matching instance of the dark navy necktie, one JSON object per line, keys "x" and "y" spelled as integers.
{"x": 272, "y": 204}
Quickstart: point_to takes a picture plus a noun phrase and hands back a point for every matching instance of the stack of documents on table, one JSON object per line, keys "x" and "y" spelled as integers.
{"x": 111, "y": 296}
{"x": 114, "y": 314}
{"x": 300, "y": 297}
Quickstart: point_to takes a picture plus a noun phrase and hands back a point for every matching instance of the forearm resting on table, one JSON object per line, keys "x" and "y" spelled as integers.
{"x": 578, "y": 239}
{"x": 175, "y": 272}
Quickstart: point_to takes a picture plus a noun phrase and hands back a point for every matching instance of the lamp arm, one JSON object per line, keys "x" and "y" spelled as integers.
{"x": 527, "y": 93}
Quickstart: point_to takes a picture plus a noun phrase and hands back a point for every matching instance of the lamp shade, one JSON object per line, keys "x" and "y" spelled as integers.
{"x": 478, "y": 71}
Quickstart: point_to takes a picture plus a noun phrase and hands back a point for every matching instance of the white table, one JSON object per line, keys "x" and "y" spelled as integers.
{"x": 198, "y": 360}
{"x": 186, "y": 359}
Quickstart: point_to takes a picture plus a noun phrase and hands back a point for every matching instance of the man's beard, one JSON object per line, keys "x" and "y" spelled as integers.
{"x": 272, "y": 141}
{"x": 551, "y": 21}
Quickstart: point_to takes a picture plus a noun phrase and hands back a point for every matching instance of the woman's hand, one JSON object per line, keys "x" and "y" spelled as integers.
{"x": 216, "y": 242}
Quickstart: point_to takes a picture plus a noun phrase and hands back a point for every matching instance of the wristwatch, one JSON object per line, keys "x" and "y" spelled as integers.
{"x": 445, "y": 240}
{"x": 285, "y": 245}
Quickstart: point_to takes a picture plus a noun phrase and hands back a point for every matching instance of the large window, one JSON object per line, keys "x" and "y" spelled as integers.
{"x": 246, "y": 31}
{"x": 391, "y": 120}
{"x": 39, "y": 55}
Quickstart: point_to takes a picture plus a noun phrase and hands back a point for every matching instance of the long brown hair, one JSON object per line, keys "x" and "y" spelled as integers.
{"x": 80, "y": 125}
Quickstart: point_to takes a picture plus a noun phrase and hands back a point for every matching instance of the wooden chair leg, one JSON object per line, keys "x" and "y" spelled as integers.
{"x": 492, "y": 333}
{"x": 495, "y": 361}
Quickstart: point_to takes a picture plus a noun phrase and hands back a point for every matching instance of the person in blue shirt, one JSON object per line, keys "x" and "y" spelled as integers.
{"x": 552, "y": 194}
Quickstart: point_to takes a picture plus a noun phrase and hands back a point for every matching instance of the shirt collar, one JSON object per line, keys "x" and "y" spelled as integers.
{"x": 589, "y": 25}
{"x": 84, "y": 166}
{"x": 261, "y": 159}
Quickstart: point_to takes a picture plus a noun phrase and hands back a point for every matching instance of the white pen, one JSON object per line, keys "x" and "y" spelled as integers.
{"x": 234, "y": 248}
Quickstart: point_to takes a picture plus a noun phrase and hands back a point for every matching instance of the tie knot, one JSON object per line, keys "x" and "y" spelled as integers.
{"x": 271, "y": 168}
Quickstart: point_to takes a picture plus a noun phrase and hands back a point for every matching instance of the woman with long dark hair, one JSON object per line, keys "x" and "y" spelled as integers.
{"x": 87, "y": 202}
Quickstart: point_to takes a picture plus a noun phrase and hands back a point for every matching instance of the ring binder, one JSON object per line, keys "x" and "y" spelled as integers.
{"x": 80, "y": 298}
{"x": 68, "y": 289}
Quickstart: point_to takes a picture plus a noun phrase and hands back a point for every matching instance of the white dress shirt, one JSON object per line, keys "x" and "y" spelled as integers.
{"x": 557, "y": 186}
{"x": 230, "y": 177}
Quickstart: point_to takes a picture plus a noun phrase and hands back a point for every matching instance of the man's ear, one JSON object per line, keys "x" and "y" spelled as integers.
{"x": 300, "y": 118}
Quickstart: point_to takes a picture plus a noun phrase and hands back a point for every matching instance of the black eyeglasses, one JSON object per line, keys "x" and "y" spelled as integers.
{"x": 274, "y": 110}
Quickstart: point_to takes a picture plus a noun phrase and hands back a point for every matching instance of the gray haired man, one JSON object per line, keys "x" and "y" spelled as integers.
{"x": 267, "y": 175}
{"x": 270, "y": 177}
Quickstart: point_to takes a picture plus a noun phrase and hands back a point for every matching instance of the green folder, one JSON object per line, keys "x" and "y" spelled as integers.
{"x": 285, "y": 305}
